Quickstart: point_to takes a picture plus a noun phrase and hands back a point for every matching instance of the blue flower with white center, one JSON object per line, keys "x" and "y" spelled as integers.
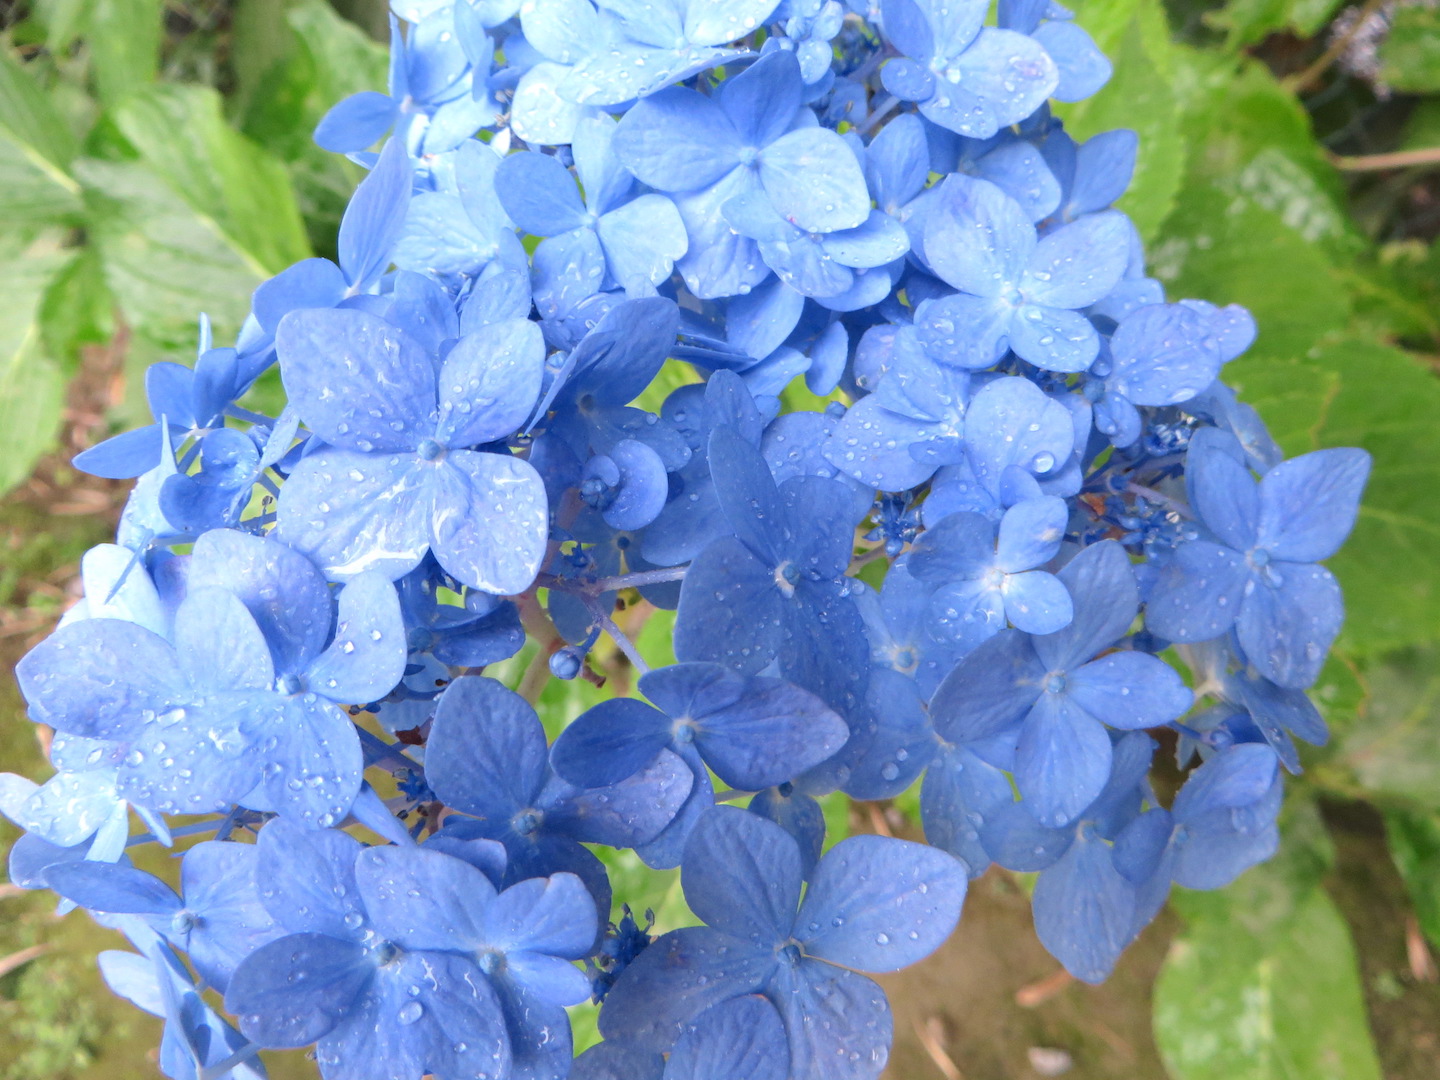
{"x": 1160, "y": 354}
{"x": 248, "y": 709}
{"x": 487, "y": 758}
{"x": 1260, "y": 573}
{"x": 874, "y": 904}
{"x": 774, "y": 587}
{"x": 748, "y": 142}
{"x": 398, "y": 477}
{"x": 1063, "y": 689}
{"x": 1017, "y": 291}
{"x": 986, "y": 576}
{"x": 613, "y": 237}
{"x": 967, "y": 77}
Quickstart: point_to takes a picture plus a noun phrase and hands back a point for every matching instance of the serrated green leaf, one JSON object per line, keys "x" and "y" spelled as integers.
{"x": 1415, "y": 846}
{"x": 1357, "y": 393}
{"x": 1410, "y": 55}
{"x": 1138, "y": 97}
{"x": 1246, "y": 22}
{"x": 31, "y": 385}
{"x": 163, "y": 263}
{"x": 124, "y": 38}
{"x": 36, "y": 148}
{"x": 1273, "y": 998}
{"x": 220, "y": 174}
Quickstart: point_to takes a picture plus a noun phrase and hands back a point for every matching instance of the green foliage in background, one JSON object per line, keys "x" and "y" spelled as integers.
{"x": 157, "y": 162}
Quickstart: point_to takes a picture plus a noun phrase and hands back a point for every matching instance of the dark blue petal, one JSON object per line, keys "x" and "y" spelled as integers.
{"x": 1061, "y": 761}
{"x": 298, "y": 988}
{"x": 741, "y": 1039}
{"x": 1084, "y": 910}
{"x": 486, "y": 750}
{"x": 741, "y": 875}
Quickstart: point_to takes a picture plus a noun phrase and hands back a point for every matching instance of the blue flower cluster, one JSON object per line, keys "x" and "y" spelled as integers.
{"x": 965, "y": 569}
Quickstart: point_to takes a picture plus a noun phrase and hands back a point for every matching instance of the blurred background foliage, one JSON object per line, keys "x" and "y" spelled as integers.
{"x": 156, "y": 162}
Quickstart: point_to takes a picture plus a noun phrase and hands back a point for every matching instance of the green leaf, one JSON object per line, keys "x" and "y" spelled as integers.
{"x": 219, "y": 173}
{"x": 1410, "y": 55}
{"x": 1247, "y": 22}
{"x": 124, "y": 39}
{"x": 77, "y": 310}
{"x": 1415, "y": 847}
{"x": 162, "y": 262}
{"x": 1263, "y": 985}
{"x": 1139, "y": 97}
{"x": 31, "y": 385}
{"x": 1392, "y": 746}
{"x": 1357, "y": 393}
{"x": 36, "y": 149}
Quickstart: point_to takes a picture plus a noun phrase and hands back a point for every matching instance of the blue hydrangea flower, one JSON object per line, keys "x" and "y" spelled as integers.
{"x": 874, "y": 904}
{"x": 1260, "y": 572}
{"x": 967, "y": 77}
{"x": 1017, "y": 290}
{"x": 1061, "y": 697}
{"x": 397, "y": 478}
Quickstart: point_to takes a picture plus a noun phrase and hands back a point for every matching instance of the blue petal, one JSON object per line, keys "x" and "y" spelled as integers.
{"x": 759, "y": 321}
{"x": 1104, "y": 165}
{"x": 124, "y": 456}
{"x": 1020, "y": 171}
{"x": 1061, "y": 761}
{"x": 741, "y": 875}
{"x": 1080, "y": 263}
{"x": 539, "y": 114}
{"x": 310, "y": 283}
{"x": 97, "y": 677}
{"x": 423, "y": 899}
{"x": 988, "y": 691}
{"x": 610, "y": 742}
{"x": 676, "y": 979}
{"x": 218, "y": 881}
{"x": 1162, "y": 355}
{"x": 741, "y": 1039}
{"x": 617, "y": 1061}
{"x": 367, "y": 657}
{"x": 306, "y": 879}
{"x": 1198, "y": 592}
{"x": 295, "y": 990}
{"x": 1015, "y": 840}
{"x": 316, "y": 760}
{"x": 568, "y": 270}
{"x": 960, "y": 794}
{"x": 1289, "y": 620}
{"x": 729, "y": 609}
{"x": 814, "y": 180}
{"x": 799, "y": 815}
{"x": 1083, "y": 67}
{"x": 677, "y": 140}
{"x": 1030, "y": 535}
{"x": 1129, "y": 690}
{"x": 908, "y": 28}
{"x": 1036, "y": 602}
{"x": 539, "y": 194}
{"x": 763, "y": 99}
{"x": 838, "y": 1022}
{"x": 716, "y": 22}
{"x": 1003, "y": 77}
{"x": 1052, "y": 338}
{"x": 878, "y": 904}
{"x": 357, "y": 381}
{"x": 225, "y": 649}
{"x": 1223, "y": 494}
{"x": 110, "y": 888}
{"x": 356, "y": 122}
{"x": 1102, "y": 586}
{"x": 375, "y": 217}
{"x": 1084, "y": 910}
{"x": 978, "y": 238}
{"x": 490, "y": 521}
{"x": 486, "y": 750}
{"x": 355, "y": 512}
{"x": 282, "y": 589}
{"x": 632, "y": 812}
{"x": 489, "y": 383}
{"x": 554, "y": 916}
{"x": 1308, "y": 504}
{"x": 908, "y": 80}
{"x": 1012, "y": 422}
{"x": 642, "y": 241}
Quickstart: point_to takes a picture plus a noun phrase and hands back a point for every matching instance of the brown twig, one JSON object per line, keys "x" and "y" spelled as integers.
{"x": 1400, "y": 159}
{"x": 932, "y": 1037}
{"x": 1037, "y": 993}
{"x": 1302, "y": 81}
{"x": 21, "y": 958}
